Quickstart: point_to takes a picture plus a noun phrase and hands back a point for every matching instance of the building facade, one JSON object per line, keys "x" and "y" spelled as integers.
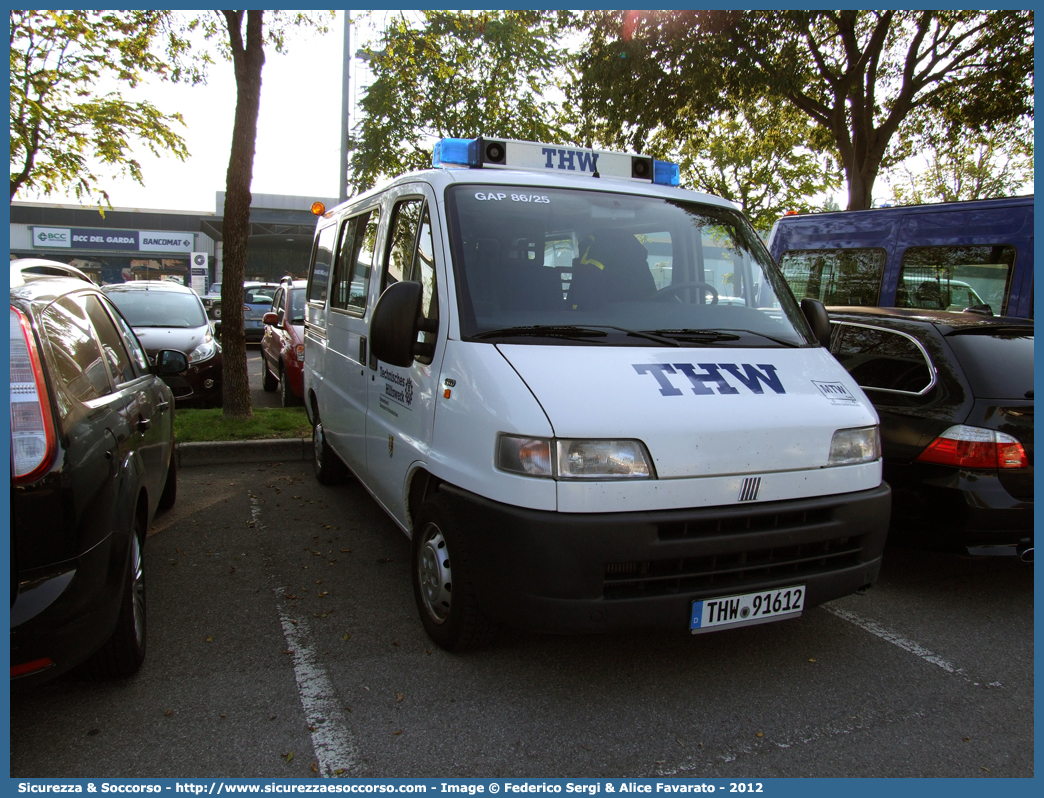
{"x": 128, "y": 244}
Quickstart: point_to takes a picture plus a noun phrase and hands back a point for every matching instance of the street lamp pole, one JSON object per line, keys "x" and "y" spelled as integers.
{"x": 346, "y": 60}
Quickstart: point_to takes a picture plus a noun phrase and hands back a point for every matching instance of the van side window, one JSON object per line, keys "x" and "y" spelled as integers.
{"x": 402, "y": 241}
{"x": 322, "y": 259}
{"x": 342, "y": 276}
{"x": 411, "y": 256}
{"x": 365, "y": 247}
{"x": 955, "y": 277}
{"x": 835, "y": 276}
{"x": 882, "y": 359}
{"x": 354, "y": 260}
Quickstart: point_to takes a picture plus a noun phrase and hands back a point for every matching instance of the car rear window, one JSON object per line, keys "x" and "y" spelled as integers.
{"x": 999, "y": 365}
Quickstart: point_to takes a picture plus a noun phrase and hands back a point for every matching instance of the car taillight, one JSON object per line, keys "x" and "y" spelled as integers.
{"x": 299, "y": 349}
{"x": 32, "y": 432}
{"x": 974, "y": 447}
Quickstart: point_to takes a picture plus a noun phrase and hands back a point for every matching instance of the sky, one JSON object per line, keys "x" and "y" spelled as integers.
{"x": 298, "y": 130}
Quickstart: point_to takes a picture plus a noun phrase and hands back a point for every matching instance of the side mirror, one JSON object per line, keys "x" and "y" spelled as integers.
{"x": 395, "y": 323}
{"x": 271, "y": 318}
{"x": 170, "y": 361}
{"x": 818, "y": 319}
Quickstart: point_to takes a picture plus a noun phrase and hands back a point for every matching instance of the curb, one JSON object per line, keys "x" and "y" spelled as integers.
{"x": 221, "y": 452}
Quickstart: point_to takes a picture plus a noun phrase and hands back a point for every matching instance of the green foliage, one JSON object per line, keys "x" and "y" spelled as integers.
{"x": 61, "y": 126}
{"x": 967, "y": 166}
{"x": 757, "y": 157}
{"x": 859, "y": 76}
{"x": 461, "y": 74}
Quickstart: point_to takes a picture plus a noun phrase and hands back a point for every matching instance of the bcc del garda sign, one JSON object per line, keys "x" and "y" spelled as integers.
{"x": 119, "y": 240}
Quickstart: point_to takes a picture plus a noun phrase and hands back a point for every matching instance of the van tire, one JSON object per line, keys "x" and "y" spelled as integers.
{"x": 329, "y": 469}
{"x": 444, "y": 589}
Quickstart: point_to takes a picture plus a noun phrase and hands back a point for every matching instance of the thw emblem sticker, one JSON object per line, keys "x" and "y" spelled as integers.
{"x": 712, "y": 378}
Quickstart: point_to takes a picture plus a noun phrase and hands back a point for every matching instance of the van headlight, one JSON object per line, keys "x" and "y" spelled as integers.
{"x": 574, "y": 459}
{"x": 853, "y": 446}
{"x": 204, "y": 351}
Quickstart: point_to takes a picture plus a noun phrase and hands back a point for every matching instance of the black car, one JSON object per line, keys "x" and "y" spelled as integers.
{"x": 168, "y": 315}
{"x": 92, "y": 442}
{"x": 955, "y": 395}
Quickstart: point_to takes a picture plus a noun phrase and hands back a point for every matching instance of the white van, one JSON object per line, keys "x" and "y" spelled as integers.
{"x": 588, "y": 397}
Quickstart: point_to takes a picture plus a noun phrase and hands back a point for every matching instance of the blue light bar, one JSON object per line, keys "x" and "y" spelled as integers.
{"x": 456, "y": 152}
{"x": 666, "y": 173}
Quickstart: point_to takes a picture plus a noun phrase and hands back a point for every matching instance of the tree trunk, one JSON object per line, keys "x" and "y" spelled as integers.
{"x": 860, "y": 190}
{"x": 247, "y": 60}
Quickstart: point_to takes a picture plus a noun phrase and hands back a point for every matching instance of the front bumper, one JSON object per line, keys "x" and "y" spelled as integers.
{"x": 190, "y": 388}
{"x": 586, "y": 573}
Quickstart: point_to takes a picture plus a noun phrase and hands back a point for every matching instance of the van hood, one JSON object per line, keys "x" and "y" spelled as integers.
{"x": 700, "y": 412}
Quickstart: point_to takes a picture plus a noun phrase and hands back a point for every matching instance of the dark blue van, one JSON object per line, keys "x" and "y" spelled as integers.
{"x": 975, "y": 256}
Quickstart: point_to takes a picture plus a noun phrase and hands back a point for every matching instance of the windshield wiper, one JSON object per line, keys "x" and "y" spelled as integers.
{"x": 714, "y": 336}
{"x": 543, "y": 331}
{"x": 703, "y": 336}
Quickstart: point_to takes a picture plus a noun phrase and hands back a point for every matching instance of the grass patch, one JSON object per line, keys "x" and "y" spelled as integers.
{"x": 191, "y": 426}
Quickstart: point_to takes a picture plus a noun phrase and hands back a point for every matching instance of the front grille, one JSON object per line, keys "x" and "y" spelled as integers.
{"x": 744, "y": 522}
{"x": 626, "y": 580}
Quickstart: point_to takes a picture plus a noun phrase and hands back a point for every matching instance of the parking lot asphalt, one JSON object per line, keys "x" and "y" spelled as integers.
{"x": 282, "y": 622}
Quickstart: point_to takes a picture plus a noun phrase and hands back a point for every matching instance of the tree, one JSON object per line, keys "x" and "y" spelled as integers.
{"x": 858, "y": 75}
{"x": 460, "y": 74}
{"x": 60, "y": 128}
{"x": 966, "y": 167}
{"x": 758, "y": 157}
{"x": 246, "y": 38}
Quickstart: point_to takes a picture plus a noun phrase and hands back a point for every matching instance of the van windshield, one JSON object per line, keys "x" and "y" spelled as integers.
{"x": 567, "y": 266}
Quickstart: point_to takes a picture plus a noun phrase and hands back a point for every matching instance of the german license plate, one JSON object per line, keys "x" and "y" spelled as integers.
{"x": 747, "y": 609}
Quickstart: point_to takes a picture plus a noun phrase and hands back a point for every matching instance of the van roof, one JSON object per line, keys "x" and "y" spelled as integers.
{"x": 441, "y": 179}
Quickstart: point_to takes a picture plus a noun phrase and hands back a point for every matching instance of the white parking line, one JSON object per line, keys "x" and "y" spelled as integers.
{"x": 896, "y": 639}
{"x": 335, "y": 749}
{"x": 332, "y": 738}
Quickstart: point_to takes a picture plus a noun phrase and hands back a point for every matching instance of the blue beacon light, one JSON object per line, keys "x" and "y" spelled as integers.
{"x": 456, "y": 152}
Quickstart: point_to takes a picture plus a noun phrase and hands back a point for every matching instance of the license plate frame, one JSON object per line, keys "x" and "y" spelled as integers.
{"x": 746, "y": 609}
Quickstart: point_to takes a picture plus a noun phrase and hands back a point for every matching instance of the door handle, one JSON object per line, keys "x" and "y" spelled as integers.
{"x": 144, "y": 424}
{"x": 162, "y": 406}
{"x": 362, "y": 348}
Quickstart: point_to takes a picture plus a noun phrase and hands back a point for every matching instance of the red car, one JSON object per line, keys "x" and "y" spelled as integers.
{"x": 282, "y": 345}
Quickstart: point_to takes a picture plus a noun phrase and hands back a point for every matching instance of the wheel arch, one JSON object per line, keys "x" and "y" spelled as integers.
{"x": 423, "y": 484}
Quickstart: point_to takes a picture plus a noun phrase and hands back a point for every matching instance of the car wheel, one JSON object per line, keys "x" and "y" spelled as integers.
{"x": 269, "y": 381}
{"x": 443, "y": 587}
{"x": 124, "y": 651}
{"x": 329, "y": 469}
{"x": 217, "y": 311}
{"x": 170, "y": 487}
{"x": 286, "y": 393}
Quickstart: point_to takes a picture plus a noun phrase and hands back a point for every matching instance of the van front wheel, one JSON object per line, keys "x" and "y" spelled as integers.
{"x": 443, "y": 587}
{"x": 329, "y": 469}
